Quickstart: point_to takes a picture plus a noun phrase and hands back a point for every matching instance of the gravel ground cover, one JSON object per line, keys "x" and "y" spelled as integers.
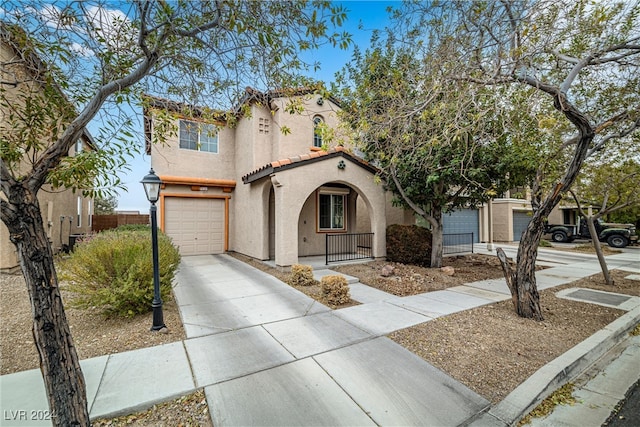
{"x": 489, "y": 349}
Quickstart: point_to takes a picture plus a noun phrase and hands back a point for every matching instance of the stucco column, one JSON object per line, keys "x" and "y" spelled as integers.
{"x": 379, "y": 222}
{"x": 286, "y": 224}
{"x": 490, "y": 222}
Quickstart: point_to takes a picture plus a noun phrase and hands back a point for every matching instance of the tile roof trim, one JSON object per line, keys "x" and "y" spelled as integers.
{"x": 306, "y": 159}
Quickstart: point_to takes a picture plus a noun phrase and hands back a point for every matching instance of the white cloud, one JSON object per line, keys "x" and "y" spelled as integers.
{"x": 112, "y": 27}
{"x": 82, "y": 50}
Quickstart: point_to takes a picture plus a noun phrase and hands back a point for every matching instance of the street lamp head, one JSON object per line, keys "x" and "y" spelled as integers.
{"x": 151, "y": 184}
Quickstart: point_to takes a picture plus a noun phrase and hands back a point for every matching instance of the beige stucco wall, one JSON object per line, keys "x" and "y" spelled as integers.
{"x": 54, "y": 203}
{"x": 556, "y": 216}
{"x": 503, "y": 217}
{"x": 309, "y": 241}
{"x": 53, "y": 206}
{"x": 299, "y": 139}
{"x": 170, "y": 159}
{"x": 249, "y": 212}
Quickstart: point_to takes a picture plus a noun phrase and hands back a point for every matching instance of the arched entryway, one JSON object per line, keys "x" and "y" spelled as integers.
{"x": 333, "y": 208}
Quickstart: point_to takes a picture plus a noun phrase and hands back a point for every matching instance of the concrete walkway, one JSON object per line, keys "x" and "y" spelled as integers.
{"x": 267, "y": 354}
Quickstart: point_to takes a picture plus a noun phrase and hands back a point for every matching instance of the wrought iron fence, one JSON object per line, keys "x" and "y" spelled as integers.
{"x": 457, "y": 243}
{"x": 348, "y": 247}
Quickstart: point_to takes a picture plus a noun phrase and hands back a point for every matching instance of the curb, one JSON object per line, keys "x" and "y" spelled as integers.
{"x": 560, "y": 371}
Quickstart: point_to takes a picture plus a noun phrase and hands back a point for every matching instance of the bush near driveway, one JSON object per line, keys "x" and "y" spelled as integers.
{"x": 301, "y": 275}
{"x": 335, "y": 290}
{"x": 113, "y": 271}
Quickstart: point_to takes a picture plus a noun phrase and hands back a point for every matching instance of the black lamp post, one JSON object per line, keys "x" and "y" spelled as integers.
{"x": 151, "y": 184}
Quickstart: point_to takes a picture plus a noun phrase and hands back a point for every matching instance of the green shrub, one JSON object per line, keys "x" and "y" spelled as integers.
{"x": 136, "y": 227}
{"x": 335, "y": 290}
{"x": 301, "y": 275}
{"x": 113, "y": 271}
{"x": 545, "y": 244}
{"x": 409, "y": 244}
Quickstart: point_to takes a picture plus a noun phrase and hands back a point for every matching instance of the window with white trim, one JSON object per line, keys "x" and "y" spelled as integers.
{"x": 317, "y": 137}
{"x": 78, "y": 147}
{"x": 198, "y": 136}
{"x": 331, "y": 211}
{"x": 89, "y": 215}
{"x": 79, "y": 216}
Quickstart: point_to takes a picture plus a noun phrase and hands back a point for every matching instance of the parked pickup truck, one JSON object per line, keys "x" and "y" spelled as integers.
{"x": 616, "y": 235}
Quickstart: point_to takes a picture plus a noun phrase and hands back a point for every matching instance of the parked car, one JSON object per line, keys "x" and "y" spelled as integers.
{"x": 615, "y": 235}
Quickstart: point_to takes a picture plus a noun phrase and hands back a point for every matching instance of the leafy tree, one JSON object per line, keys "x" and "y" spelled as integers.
{"x": 105, "y": 205}
{"x": 439, "y": 143}
{"x": 100, "y": 60}
{"x": 579, "y": 58}
{"x": 611, "y": 188}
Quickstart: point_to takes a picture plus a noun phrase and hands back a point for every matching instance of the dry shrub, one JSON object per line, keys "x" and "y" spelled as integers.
{"x": 113, "y": 271}
{"x": 335, "y": 290}
{"x": 301, "y": 275}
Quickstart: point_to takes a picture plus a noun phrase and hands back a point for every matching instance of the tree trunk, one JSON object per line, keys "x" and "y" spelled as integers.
{"x": 59, "y": 363}
{"x": 437, "y": 248}
{"x": 528, "y": 298}
{"x": 596, "y": 244}
{"x": 524, "y": 278}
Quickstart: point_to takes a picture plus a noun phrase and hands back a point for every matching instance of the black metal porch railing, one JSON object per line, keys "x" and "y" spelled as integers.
{"x": 457, "y": 243}
{"x": 348, "y": 247}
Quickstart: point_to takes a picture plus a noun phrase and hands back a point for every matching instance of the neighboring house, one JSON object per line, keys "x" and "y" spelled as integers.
{"x": 63, "y": 212}
{"x": 256, "y": 190}
{"x": 510, "y": 215}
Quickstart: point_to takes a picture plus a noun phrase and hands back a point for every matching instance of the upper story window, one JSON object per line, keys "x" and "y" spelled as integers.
{"x": 198, "y": 136}
{"x": 78, "y": 146}
{"x": 317, "y": 137}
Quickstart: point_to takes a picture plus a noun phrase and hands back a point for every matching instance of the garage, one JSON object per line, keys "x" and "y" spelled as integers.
{"x": 462, "y": 221}
{"x": 520, "y": 222}
{"x": 196, "y": 225}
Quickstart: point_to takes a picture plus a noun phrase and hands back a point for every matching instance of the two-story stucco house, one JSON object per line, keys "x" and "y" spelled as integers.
{"x": 63, "y": 211}
{"x": 256, "y": 190}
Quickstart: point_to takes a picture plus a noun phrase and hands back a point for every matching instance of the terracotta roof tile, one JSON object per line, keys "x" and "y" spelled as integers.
{"x": 301, "y": 160}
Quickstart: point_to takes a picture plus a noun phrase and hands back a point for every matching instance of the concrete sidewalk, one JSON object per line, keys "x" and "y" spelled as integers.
{"x": 267, "y": 354}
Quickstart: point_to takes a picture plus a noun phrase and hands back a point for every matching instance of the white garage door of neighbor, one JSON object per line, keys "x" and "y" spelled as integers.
{"x": 195, "y": 225}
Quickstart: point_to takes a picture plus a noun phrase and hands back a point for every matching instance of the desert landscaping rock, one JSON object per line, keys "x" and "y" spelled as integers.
{"x": 489, "y": 349}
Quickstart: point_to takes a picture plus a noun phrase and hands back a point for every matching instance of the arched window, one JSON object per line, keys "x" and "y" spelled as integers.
{"x": 317, "y": 137}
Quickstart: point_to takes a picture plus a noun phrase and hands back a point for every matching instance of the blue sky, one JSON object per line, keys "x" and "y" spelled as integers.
{"x": 372, "y": 15}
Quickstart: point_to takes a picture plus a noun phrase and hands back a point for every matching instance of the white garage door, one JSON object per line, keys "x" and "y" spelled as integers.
{"x": 195, "y": 225}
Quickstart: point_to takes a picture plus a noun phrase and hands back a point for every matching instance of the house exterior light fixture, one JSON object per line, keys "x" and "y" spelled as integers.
{"x": 152, "y": 184}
